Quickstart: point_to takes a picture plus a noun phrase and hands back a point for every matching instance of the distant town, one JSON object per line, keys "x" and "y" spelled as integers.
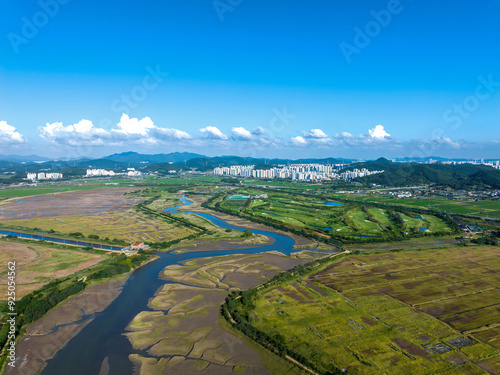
{"x": 307, "y": 172}
{"x": 300, "y": 172}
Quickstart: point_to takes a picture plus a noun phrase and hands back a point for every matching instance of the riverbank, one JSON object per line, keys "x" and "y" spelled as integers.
{"x": 181, "y": 331}
{"x": 44, "y": 337}
{"x": 49, "y": 334}
{"x": 102, "y": 343}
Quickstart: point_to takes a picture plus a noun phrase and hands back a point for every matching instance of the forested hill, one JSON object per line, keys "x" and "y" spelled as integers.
{"x": 464, "y": 176}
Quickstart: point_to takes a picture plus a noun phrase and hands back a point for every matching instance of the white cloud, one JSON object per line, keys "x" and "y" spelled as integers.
{"x": 445, "y": 141}
{"x": 378, "y": 132}
{"x": 81, "y": 133}
{"x": 315, "y": 133}
{"x": 9, "y": 134}
{"x": 348, "y": 139}
{"x": 240, "y": 133}
{"x": 344, "y": 135}
{"x": 129, "y": 130}
{"x": 314, "y": 137}
{"x": 298, "y": 141}
{"x": 129, "y": 125}
{"x": 213, "y": 133}
{"x": 376, "y": 138}
{"x": 259, "y": 130}
{"x": 173, "y": 134}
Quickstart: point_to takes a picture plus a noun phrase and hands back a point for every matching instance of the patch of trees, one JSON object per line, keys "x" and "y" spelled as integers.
{"x": 247, "y": 233}
{"x": 230, "y": 181}
{"x": 455, "y": 176}
{"x": 167, "y": 216}
{"x": 116, "y": 265}
{"x": 36, "y": 304}
{"x": 167, "y": 244}
{"x": 247, "y": 203}
{"x": 486, "y": 240}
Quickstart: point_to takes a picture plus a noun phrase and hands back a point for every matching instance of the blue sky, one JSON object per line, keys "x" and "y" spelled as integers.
{"x": 357, "y": 79}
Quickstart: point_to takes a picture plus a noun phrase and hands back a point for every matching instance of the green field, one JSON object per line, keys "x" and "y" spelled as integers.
{"x": 347, "y": 221}
{"x": 58, "y": 187}
{"x": 405, "y": 312}
{"x": 361, "y": 223}
{"x": 41, "y": 263}
{"x": 128, "y": 226}
{"x": 489, "y": 208}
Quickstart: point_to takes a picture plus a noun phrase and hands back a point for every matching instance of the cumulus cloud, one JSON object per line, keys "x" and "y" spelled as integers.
{"x": 315, "y": 137}
{"x": 298, "y": 141}
{"x": 213, "y": 133}
{"x": 241, "y": 133}
{"x": 9, "y": 134}
{"x": 376, "y": 138}
{"x": 128, "y": 130}
{"x": 81, "y": 133}
{"x": 315, "y": 133}
{"x": 129, "y": 125}
{"x": 378, "y": 132}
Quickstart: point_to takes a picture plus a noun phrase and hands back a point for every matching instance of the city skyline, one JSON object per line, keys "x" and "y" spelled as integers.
{"x": 261, "y": 79}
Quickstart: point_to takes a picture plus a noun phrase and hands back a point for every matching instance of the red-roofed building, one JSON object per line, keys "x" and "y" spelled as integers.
{"x": 137, "y": 246}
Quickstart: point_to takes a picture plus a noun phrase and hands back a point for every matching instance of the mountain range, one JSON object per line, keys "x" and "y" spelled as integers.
{"x": 395, "y": 174}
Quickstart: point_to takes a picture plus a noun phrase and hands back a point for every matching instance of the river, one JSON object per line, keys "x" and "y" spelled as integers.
{"x": 102, "y": 339}
{"x": 59, "y": 240}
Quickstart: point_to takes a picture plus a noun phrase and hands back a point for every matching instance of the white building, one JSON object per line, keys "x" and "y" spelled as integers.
{"x": 99, "y": 172}
{"x": 131, "y": 172}
{"x": 44, "y": 176}
{"x": 300, "y": 172}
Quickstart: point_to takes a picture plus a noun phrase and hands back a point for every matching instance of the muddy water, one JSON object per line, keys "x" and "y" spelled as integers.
{"x": 101, "y": 348}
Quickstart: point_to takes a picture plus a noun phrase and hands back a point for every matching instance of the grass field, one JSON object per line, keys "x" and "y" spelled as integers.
{"x": 399, "y": 310}
{"x": 490, "y": 208}
{"x": 347, "y": 220}
{"x": 381, "y": 216}
{"x": 166, "y": 200}
{"x": 128, "y": 226}
{"x": 58, "y": 187}
{"x": 362, "y": 224}
{"x": 69, "y": 203}
{"x": 38, "y": 265}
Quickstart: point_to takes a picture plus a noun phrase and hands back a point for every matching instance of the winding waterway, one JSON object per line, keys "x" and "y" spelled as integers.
{"x": 102, "y": 340}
